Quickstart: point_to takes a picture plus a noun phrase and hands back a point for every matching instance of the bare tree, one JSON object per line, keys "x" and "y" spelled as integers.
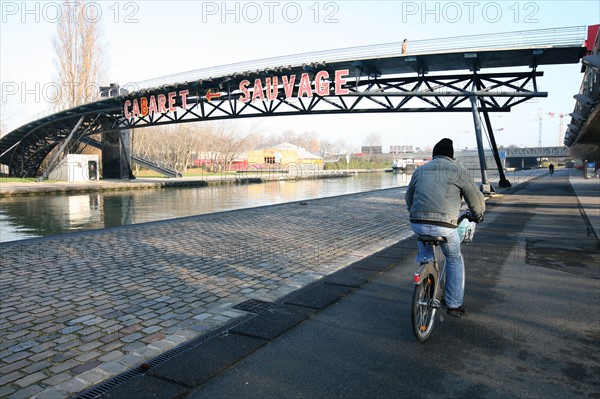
{"x": 185, "y": 139}
{"x": 288, "y": 136}
{"x": 175, "y": 146}
{"x": 226, "y": 143}
{"x": 341, "y": 147}
{"x": 171, "y": 146}
{"x": 336, "y": 147}
{"x": 80, "y": 54}
{"x": 309, "y": 141}
{"x": 326, "y": 147}
{"x": 372, "y": 140}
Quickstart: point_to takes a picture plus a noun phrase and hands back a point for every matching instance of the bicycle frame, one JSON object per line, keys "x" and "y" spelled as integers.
{"x": 431, "y": 268}
{"x": 429, "y": 281}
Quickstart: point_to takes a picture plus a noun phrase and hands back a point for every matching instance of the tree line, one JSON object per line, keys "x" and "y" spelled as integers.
{"x": 217, "y": 144}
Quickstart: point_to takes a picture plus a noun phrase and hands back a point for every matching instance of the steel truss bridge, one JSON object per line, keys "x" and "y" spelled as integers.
{"x": 518, "y": 152}
{"x": 538, "y": 152}
{"x": 442, "y": 75}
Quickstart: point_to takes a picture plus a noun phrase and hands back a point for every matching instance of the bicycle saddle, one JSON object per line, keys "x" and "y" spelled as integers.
{"x": 432, "y": 239}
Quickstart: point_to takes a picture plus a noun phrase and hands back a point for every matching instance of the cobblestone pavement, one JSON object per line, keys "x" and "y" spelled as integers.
{"x": 79, "y": 308}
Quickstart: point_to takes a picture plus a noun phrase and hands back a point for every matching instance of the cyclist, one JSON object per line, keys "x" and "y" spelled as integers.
{"x": 434, "y": 198}
{"x": 551, "y": 169}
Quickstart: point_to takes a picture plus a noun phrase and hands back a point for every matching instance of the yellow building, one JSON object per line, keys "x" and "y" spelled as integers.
{"x": 282, "y": 156}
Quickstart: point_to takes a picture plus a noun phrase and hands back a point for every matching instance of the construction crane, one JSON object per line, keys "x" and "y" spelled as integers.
{"x": 540, "y": 119}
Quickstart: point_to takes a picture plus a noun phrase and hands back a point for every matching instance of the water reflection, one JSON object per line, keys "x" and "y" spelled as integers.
{"x": 45, "y": 215}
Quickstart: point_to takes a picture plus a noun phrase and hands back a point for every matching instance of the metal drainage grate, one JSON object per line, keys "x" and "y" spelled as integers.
{"x": 103, "y": 387}
{"x": 254, "y": 306}
{"x": 98, "y": 390}
{"x": 251, "y": 306}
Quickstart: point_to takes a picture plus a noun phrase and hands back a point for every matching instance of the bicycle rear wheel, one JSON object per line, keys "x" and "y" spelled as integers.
{"x": 423, "y": 312}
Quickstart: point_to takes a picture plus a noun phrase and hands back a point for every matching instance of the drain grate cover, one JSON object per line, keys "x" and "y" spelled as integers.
{"x": 254, "y": 306}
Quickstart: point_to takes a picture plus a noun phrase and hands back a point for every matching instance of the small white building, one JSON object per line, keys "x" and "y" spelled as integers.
{"x": 76, "y": 168}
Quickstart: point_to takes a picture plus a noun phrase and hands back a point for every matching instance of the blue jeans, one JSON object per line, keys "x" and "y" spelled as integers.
{"x": 455, "y": 271}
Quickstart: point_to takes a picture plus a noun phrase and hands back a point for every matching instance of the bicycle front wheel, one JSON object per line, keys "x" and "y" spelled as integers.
{"x": 423, "y": 311}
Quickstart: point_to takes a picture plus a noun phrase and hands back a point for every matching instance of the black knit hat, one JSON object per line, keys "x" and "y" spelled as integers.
{"x": 444, "y": 147}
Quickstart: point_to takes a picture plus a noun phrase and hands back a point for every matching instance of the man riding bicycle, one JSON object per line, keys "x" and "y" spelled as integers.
{"x": 434, "y": 198}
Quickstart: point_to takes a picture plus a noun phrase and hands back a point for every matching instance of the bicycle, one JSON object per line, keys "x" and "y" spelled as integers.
{"x": 429, "y": 280}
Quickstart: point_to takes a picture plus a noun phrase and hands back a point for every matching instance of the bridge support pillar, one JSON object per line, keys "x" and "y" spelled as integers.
{"x": 116, "y": 155}
{"x": 486, "y": 187}
{"x": 503, "y": 180}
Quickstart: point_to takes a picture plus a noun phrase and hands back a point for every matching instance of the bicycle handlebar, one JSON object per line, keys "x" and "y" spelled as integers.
{"x": 469, "y": 216}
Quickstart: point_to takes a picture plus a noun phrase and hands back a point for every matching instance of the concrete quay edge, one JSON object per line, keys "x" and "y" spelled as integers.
{"x": 29, "y": 187}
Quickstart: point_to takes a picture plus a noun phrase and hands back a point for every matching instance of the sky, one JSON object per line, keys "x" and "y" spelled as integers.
{"x": 149, "y": 39}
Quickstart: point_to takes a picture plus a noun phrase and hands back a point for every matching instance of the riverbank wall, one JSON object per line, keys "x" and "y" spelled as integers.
{"x": 28, "y": 186}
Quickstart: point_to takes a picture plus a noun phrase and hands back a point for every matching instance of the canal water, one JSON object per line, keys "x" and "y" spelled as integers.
{"x": 23, "y": 217}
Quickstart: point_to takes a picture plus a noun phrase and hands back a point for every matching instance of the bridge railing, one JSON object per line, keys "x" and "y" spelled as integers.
{"x": 557, "y": 37}
{"x": 567, "y": 36}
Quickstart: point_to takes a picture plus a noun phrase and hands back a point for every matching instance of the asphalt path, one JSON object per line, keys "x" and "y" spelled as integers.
{"x": 532, "y": 328}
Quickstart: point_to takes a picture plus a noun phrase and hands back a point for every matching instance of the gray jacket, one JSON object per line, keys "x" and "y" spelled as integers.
{"x": 435, "y": 192}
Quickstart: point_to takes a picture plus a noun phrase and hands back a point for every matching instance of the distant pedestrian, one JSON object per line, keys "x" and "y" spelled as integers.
{"x": 551, "y": 169}
{"x": 404, "y": 47}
